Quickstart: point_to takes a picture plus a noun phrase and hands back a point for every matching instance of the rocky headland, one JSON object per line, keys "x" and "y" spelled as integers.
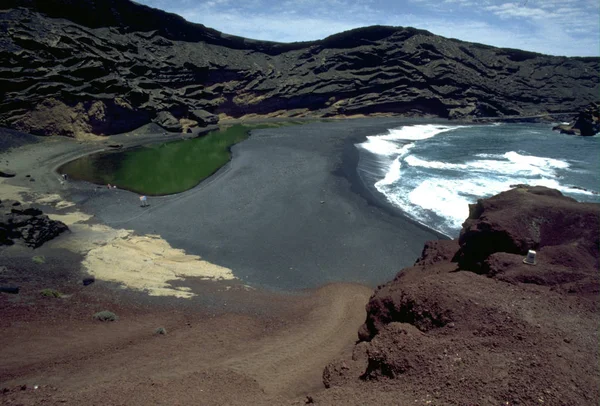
{"x": 586, "y": 123}
{"x": 109, "y": 66}
{"x": 470, "y": 322}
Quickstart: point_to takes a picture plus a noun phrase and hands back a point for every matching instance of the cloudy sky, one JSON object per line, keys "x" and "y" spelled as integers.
{"x": 556, "y": 27}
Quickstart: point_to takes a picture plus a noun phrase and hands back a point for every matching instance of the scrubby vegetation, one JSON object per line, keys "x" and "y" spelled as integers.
{"x": 39, "y": 259}
{"x": 105, "y": 315}
{"x": 50, "y": 293}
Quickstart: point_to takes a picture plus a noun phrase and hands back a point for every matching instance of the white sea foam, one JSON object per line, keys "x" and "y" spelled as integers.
{"x": 397, "y": 139}
{"x": 510, "y": 163}
{"x": 437, "y": 193}
{"x": 393, "y": 173}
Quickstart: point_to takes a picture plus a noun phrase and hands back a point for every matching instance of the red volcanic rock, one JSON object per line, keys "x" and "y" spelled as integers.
{"x": 526, "y": 218}
{"x": 507, "y": 333}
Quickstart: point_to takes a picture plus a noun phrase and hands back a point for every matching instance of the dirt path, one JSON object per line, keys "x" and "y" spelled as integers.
{"x": 231, "y": 358}
{"x": 292, "y": 361}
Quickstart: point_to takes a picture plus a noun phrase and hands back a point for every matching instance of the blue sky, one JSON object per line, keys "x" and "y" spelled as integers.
{"x": 556, "y": 27}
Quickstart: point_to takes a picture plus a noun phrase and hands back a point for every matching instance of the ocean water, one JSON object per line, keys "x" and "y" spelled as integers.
{"x": 432, "y": 172}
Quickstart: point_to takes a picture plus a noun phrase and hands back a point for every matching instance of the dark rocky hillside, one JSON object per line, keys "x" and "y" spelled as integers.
{"x": 107, "y": 66}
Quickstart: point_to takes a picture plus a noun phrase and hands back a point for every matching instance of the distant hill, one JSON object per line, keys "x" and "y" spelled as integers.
{"x": 109, "y": 66}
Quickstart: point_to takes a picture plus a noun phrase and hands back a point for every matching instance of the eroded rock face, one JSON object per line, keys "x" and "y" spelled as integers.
{"x": 108, "y": 66}
{"x": 490, "y": 326}
{"x": 26, "y": 223}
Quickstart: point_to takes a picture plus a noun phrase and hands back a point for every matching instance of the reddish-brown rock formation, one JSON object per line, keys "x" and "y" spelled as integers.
{"x": 490, "y": 329}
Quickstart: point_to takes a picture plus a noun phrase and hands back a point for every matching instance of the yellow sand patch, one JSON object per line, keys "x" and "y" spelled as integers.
{"x": 71, "y": 218}
{"x": 148, "y": 263}
{"x": 145, "y": 263}
{"x": 54, "y": 200}
{"x": 11, "y": 192}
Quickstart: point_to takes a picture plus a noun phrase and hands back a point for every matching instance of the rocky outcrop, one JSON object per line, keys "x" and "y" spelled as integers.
{"x": 471, "y": 322}
{"x": 27, "y": 224}
{"x": 587, "y": 123}
{"x": 167, "y": 121}
{"x": 108, "y": 66}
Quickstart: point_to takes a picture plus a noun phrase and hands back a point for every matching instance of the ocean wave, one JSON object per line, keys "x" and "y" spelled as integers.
{"x": 510, "y": 163}
{"x": 397, "y": 141}
{"x": 437, "y": 192}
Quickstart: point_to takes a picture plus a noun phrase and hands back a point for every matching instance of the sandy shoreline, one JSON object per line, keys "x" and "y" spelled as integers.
{"x": 249, "y": 337}
{"x": 261, "y": 215}
{"x": 288, "y": 212}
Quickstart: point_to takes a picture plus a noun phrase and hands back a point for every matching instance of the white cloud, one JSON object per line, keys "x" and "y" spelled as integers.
{"x": 559, "y": 27}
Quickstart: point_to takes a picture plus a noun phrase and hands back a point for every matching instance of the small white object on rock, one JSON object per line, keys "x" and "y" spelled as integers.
{"x": 530, "y": 259}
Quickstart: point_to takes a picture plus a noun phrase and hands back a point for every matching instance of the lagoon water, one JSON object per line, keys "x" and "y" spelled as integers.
{"x": 432, "y": 172}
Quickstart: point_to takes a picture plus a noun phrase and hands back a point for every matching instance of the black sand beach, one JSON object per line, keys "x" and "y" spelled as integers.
{"x": 283, "y": 214}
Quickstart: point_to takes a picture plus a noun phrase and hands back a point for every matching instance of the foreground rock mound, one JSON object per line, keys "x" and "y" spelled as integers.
{"x": 109, "y": 66}
{"x": 470, "y": 323}
{"x": 27, "y": 224}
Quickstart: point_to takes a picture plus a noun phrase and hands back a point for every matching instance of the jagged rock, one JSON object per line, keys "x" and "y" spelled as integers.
{"x": 494, "y": 240}
{"x": 27, "y": 224}
{"x": 587, "y": 123}
{"x": 437, "y": 251}
{"x": 204, "y": 118}
{"x": 526, "y": 218}
{"x": 167, "y": 121}
{"x": 109, "y": 66}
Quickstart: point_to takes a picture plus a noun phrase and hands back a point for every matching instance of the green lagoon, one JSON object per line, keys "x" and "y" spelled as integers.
{"x": 166, "y": 168}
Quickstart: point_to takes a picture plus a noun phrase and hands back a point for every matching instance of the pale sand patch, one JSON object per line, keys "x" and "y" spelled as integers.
{"x": 54, "y": 200}
{"x": 138, "y": 262}
{"x": 11, "y": 192}
{"x": 71, "y": 218}
{"x": 147, "y": 263}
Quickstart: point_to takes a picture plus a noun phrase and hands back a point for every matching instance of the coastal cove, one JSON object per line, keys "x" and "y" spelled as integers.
{"x": 235, "y": 315}
{"x": 282, "y": 214}
{"x": 298, "y": 207}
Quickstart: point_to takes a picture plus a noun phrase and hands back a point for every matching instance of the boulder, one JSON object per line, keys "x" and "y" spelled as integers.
{"x": 167, "y": 121}
{"x": 522, "y": 219}
{"x": 204, "y": 118}
{"x": 587, "y": 122}
{"x": 27, "y": 224}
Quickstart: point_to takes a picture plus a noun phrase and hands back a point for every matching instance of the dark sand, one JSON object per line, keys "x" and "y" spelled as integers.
{"x": 284, "y": 214}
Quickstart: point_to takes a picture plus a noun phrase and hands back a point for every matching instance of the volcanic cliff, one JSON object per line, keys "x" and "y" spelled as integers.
{"x": 108, "y": 66}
